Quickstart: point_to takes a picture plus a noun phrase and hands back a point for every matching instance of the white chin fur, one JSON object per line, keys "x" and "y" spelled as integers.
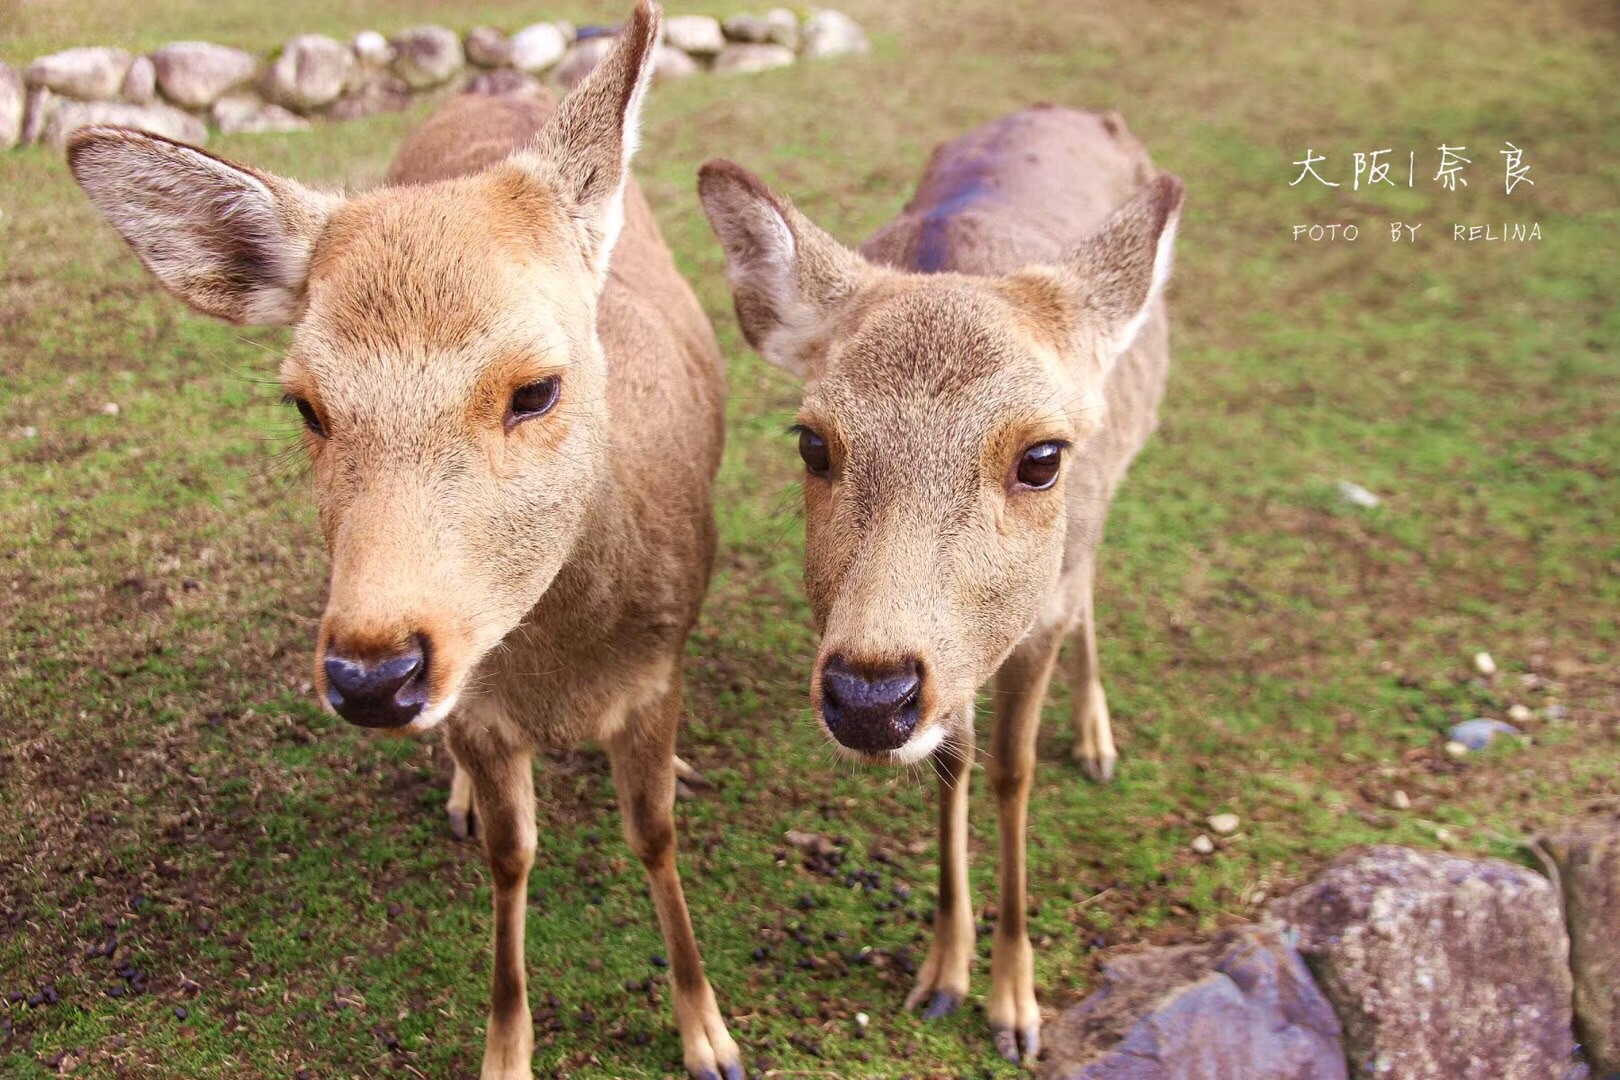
{"x": 909, "y": 754}
{"x": 430, "y": 718}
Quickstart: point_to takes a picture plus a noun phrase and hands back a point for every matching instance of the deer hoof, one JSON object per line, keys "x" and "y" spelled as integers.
{"x": 1099, "y": 769}
{"x": 1015, "y": 1044}
{"x": 463, "y": 824}
{"x": 943, "y": 1003}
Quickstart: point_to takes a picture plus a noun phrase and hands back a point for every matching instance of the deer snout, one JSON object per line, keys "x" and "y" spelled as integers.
{"x": 378, "y": 692}
{"x": 870, "y": 709}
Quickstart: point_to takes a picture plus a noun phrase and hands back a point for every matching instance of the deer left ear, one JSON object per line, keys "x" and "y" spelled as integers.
{"x": 583, "y": 153}
{"x": 1124, "y": 266}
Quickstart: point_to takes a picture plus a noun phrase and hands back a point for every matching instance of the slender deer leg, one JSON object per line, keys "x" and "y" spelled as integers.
{"x": 502, "y": 781}
{"x": 943, "y": 982}
{"x": 1093, "y": 735}
{"x": 1015, "y": 1018}
{"x": 459, "y": 807}
{"x": 643, "y": 756}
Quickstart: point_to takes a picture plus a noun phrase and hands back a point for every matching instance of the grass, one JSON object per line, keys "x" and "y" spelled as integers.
{"x": 288, "y": 882}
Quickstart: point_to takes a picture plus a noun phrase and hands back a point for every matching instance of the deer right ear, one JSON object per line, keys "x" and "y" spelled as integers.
{"x": 231, "y": 242}
{"x": 785, "y": 272}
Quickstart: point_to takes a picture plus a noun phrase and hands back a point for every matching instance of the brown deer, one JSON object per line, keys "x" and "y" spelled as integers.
{"x": 977, "y": 380}
{"x": 512, "y": 437}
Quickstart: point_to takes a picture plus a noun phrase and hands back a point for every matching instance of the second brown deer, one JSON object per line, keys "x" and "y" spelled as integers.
{"x": 976, "y": 381}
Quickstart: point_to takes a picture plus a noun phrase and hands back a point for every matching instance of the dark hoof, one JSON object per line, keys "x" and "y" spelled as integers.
{"x": 943, "y": 1003}
{"x": 733, "y": 1071}
{"x": 1010, "y": 1041}
{"x": 462, "y": 825}
{"x": 705, "y": 1074}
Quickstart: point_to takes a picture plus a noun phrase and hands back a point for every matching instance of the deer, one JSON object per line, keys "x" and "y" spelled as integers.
{"x": 512, "y": 407}
{"x": 977, "y": 378}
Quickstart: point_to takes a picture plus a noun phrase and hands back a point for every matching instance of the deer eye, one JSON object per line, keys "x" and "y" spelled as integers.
{"x": 1038, "y": 467}
{"x": 533, "y": 399}
{"x": 307, "y": 411}
{"x": 813, "y": 449}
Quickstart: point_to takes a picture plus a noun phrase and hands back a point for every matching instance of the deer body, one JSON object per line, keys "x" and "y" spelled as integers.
{"x": 977, "y": 380}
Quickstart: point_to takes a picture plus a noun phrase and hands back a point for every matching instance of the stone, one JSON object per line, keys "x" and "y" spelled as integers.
{"x": 140, "y": 82}
{"x": 749, "y": 29}
{"x": 1520, "y": 714}
{"x": 501, "y": 81}
{"x": 1358, "y": 496}
{"x": 699, "y": 35}
{"x": 784, "y": 28}
{"x": 488, "y": 47}
{"x": 1203, "y": 845}
{"x": 832, "y": 33}
{"x": 1224, "y": 824}
{"x": 738, "y": 59}
{"x": 13, "y": 103}
{"x": 371, "y": 49}
{"x": 379, "y": 92}
{"x": 1439, "y": 966}
{"x": 244, "y": 113}
{"x": 1484, "y": 664}
{"x": 1479, "y": 733}
{"x": 581, "y": 61}
{"x": 37, "y": 113}
{"x": 1242, "y": 1005}
{"x": 195, "y": 74}
{"x": 427, "y": 56}
{"x": 538, "y": 48}
{"x": 671, "y": 63}
{"x": 1588, "y": 860}
{"x": 1400, "y": 800}
{"x": 158, "y": 118}
{"x": 1456, "y": 749}
{"x": 312, "y": 71}
{"x": 94, "y": 73}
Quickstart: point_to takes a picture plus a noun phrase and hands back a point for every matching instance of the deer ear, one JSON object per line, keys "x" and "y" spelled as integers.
{"x": 230, "y": 241}
{"x": 1124, "y": 266}
{"x": 785, "y": 272}
{"x": 583, "y": 153}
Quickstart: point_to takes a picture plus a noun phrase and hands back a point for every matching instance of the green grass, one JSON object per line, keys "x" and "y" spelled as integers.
{"x": 1268, "y": 649}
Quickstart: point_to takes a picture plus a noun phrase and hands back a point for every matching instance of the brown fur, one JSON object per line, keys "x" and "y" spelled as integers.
{"x": 1014, "y": 302}
{"x": 554, "y": 566}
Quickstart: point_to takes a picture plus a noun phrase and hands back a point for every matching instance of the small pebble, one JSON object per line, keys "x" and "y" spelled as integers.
{"x": 110, "y": 409}
{"x": 30, "y": 432}
{"x": 1456, "y": 749}
{"x": 1223, "y": 824}
{"x": 180, "y": 1012}
{"x": 1203, "y": 845}
{"x": 1484, "y": 664}
{"x": 1519, "y": 714}
{"x": 1399, "y": 800}
{"x": 1356, "y": 495}
{"x": 861, "y": 1020}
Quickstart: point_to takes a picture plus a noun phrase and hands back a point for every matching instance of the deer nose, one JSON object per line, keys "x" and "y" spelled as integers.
{"x": 871, "y": 709}
{"x": 385, "y": 693}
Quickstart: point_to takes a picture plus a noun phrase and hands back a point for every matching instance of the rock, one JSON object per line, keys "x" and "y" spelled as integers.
{"x": 581, "y": 61}
{"x": 747, "y": 59}
{"x": 109, "y": 408}
{"x": 13, "y": 103}
{"x": 672, "y": 63}
{"x": 1520, "y": 714}
{"x": 248, "y": 114}
{"x": 832, "y": 33}
{"x": 784, "y": 28}
{"x": 1400, "y": 800}
{"x": 1203, "y": 845}
{"x": 1484, "y": 664}
{"x": 1439, "y": 966}
{"x": 379, "y": 92}
{"x": 862, "y": 1020}
{"x": 699, "y": 35}
{"x": 1356, "y": 495}
{"x": 504, "y": 81}
{"x": 37, "y": 113}
{"x": 1456, "y": 749}
{"x": 538, "y": 48}
{"x": 749, "y": 29}
{"x": 1241, "y": 1006}
{"x": 371, "y": 49}
{"x": 158, "y": 118}
{"x": 140, "y": 82}
{"x": 1224, "y": 824}
{"x": 488, "y": 47}
{"x": 1477, "y": 734}
{"x": 312, "y": 71}
{"x": 427, "y": 56}
{"x": 1588, "y": 861}
{"x": 195, "y": 74}
{"x": 89, "y": 74}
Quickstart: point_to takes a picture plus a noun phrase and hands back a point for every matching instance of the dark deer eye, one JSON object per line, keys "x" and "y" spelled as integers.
{"x": 307, "y": 411}
{"x": 533, "y": 399}
{"x": 813, "y": 449}
{"x": 1038, "y": 468}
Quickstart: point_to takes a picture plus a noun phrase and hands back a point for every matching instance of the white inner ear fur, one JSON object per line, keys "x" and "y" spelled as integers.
{"x": 1116, "y": 343}
{"x": 612, "y": 222}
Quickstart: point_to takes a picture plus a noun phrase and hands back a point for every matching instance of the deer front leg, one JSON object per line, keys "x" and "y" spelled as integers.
{"x": 1015, "y": 1018}
{"x": 502, "y": 782}
{"x": 459, "y": 807}
{"x": 1093, "y": 735}
{"x": 943, "y": 982}
{"x": 643, "y": 757}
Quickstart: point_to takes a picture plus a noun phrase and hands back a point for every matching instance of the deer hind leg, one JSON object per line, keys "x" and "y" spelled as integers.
{"x": 1093, "y": 734}
{"x": 943, "y": 982}
{"x": 1015, "y": 1017}
{"x": 643, "y": 757}
{"x": 459, "y": 807}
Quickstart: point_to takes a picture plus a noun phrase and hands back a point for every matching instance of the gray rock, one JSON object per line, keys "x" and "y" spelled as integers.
{"x": 748, "y": 29}
{"x": 13, "y": 103}
{"x": 1358, "y": 496}
{"x": 500, "y": 81}
{"x": 1439, "y": 966}
{"x": 248, "y": 114}
{"x": 699, "y": 35}
{"x": 671, "y": 63}
{"x": 538, "y": 48}
{"x": 89, "y": 74}
{"x": 378, "y": 92}
{"x": 1588, "y": 861}
{"x": 784, "y": 28}
{"x": 1241, "y": 1006}
{"x": 739, "y": 59}
{"x": 427, "y": 56}
{"x": 312, "y": 71}
{"x": 832, "y": 33}
{"x": 140, "y": 82}
{"x": 488, "y": 47}
{"x": 195, "y": 74}
{"x": 371, "y": 49}
{"x": 581, "y": 61}
{"x": 1477, "y": 734}
{"x": 158, "y": 118}
{"x": 37, "y": 113}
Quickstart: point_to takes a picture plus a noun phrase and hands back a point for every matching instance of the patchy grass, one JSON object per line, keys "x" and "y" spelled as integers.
{"x": 279, "y": 890}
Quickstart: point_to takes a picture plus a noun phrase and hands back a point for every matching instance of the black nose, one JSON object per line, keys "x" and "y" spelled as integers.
{"x": 870, "y": 710}
{"x": 384, "y": 693}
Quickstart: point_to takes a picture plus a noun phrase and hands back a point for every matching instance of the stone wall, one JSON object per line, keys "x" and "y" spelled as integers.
{"x": 185, "y": 88}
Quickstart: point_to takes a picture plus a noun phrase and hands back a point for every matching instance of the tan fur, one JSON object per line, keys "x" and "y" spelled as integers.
{"x": 554, "y": 567}
{"x": 1015, "y": 301}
